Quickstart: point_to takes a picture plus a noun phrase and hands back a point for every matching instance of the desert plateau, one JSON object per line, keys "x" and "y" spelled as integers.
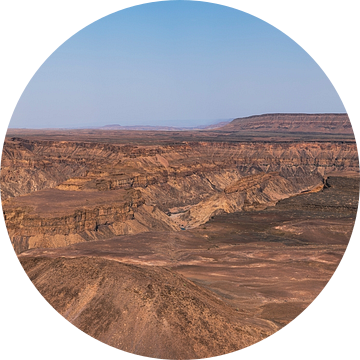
{"x": 182, "y": 243}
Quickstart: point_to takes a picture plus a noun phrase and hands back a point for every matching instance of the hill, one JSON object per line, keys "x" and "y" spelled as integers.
{"x": 292, "y": 123}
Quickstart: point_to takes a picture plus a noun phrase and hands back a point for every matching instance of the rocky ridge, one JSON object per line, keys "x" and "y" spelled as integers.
{"x": 292, "y": 123}
{"x": 142, "y": 309}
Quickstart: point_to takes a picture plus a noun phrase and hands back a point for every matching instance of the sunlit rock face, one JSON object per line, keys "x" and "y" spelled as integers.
{"x": 92, "y": 190}
{"x": 182, "y": 244}
{"x": 294, "y": 123}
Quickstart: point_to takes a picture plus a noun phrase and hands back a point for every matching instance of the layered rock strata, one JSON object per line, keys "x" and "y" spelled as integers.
{"x": 293, "y": 123}
{"x": 29, "y": 166}
{"x": 91, "y": 191}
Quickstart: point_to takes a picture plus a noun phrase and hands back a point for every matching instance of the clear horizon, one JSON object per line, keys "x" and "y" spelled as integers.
{"x": 197, "y": 124}
{"x": 180, "y": 64}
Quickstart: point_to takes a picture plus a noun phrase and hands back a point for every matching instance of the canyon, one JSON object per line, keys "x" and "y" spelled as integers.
{"x": 216, "y": 237}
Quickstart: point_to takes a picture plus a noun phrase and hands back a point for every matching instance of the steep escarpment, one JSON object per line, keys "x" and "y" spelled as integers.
{"x": 252, "y": 192}
{"x": 293, "y": 123}
{"x": 61, "y": 218}
{"x": 95, "y": 191}
{"x": 26, "y": 167}
{"x": 149, "y": 311}
{"x": 29, "y": 166}
{"x": 53, "y": 218}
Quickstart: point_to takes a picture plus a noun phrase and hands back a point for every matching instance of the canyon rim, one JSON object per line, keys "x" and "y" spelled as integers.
{"x": 216, "y": 237}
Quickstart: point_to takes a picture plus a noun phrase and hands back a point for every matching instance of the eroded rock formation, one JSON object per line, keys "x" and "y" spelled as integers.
{"x": 91, "y": 191}
{"x": 182, "y": 244}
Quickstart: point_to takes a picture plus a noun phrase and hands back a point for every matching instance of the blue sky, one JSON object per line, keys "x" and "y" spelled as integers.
{"x": 177, "y": 63}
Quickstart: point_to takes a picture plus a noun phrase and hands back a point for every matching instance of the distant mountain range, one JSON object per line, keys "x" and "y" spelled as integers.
{"x": 271, "y": 123}
{"x": 257, "y": 125}
{"x": 163, "y": 128}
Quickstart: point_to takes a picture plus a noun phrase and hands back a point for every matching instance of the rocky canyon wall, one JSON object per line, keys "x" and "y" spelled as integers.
{"x": 55, "y": 192}
{"x": 29, "y": 166}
